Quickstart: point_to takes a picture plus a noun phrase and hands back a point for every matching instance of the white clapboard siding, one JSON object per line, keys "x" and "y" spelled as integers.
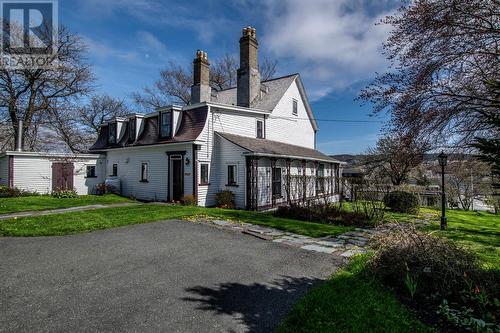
{"x": 34, "y": 173}
{"x": 129, "y": 163}
{"x": 4, "y": 171}
{"x": 226, "y": 154}
{"x": 283, "y": 126}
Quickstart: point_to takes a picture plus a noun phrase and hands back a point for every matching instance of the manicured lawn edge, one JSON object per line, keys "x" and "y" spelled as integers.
{"x": 351, "y": 301}
{"x": 105, "y": 218}
{"x": 46, "y": 202}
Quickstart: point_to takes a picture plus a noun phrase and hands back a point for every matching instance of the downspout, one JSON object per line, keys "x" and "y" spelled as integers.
{"x": 10, "y": 178}
{"x": 19, "y": 146}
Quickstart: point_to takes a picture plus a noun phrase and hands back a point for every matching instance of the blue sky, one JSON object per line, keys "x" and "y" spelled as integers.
{"x": 334, "y": 45}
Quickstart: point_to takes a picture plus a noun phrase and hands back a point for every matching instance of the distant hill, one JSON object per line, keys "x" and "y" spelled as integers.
{"x": 351, "y": 160}
{"x": 354, "y": 160}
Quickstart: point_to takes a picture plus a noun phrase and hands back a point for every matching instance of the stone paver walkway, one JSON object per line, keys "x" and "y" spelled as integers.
{"x": 62, "y": 210}
{"x": 344, "y": 245}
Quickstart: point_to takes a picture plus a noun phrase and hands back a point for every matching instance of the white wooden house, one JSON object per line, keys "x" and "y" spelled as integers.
{"x": 251, "y": 139}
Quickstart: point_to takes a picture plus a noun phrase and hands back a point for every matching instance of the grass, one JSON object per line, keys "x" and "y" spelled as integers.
{"x": 77, "y": 222}
{"x": 350, "y": 301}
{"x": 478, "y": 231}
{"x": 45, "y": 202}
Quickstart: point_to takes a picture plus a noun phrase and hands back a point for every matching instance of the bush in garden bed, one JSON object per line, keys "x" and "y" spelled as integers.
{"x": 64, "y": 194}
{"x": 189, "y": 200}
{"x": 8, "y": 192}
{"x": 402, "y": 202}
{"x": 321, "y": 213}
{"x": 437, "y": 274}
{"x": 225, "y": 199}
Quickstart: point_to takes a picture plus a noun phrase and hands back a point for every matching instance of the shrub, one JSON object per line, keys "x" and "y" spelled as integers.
{"x": 8, "y": 192}
{"x": 436, "y": 272}
{"x": 225, "y": 199}
{"x": 319, "y": 213}
{"x": 402, "y": 202}
{"x": 64, "y": 194}
{"x": 189, "y": 200}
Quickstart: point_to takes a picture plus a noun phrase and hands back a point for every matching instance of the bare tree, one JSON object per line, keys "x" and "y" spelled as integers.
{"x": 28, "y": 93}
{"x": 78, "y": 126}
{"x": 467, "y": 179}
{"x": 394, "y": 157}
{"x": 443, "y": 54}
{"x": 174, "y": 84}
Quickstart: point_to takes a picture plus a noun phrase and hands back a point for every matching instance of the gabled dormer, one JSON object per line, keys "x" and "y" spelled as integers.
{"x": 116, "y": 129}
{"x": 168, "y": 120}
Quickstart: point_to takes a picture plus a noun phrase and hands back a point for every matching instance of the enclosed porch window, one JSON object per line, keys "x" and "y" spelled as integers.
{"x": 276, "y": 182}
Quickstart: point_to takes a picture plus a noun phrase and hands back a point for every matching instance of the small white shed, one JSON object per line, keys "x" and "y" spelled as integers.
{"x": 46, "y": 172}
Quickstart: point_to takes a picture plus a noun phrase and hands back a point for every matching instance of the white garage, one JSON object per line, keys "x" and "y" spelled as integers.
{"x": 46, "y": 172}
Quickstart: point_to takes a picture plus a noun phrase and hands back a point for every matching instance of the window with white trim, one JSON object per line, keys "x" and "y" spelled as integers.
{"x": 276, "y": 182}
{"x": 132, "y": 129}
{"x": 204, "y": 174}
{"x": 144, "y": 172}
{"x": 260, "y": 129}
{"x": 112, "y": 133}
{"x": 295, "y": 107}
{"x": 90, "y": 172}
{"x": 320, "y": 179}
{"x": 166, "y": 124}
{"x": 232, "y": 175}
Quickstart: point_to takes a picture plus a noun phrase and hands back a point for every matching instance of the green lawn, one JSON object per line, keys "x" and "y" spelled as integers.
{"x": 479, "y": 231}
{"x": 45, "y": 202}
{"x": 351, "y": 302}
{"x": 76, "y": 222}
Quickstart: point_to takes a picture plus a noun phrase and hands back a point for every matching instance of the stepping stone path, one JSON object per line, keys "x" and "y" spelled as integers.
{"x": 345, "y": 245}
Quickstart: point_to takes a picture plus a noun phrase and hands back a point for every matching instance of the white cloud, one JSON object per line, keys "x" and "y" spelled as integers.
{"x": 334, "y": 44}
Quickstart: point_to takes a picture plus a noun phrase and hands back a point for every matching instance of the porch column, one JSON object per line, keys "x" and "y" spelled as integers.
{"x": 289, "y": 190}
{"x": 304, "y": 180}
{"x": 315, "y": 178}
{"x": 332, "y": 176}
{"x": 252, "y": 183}
{"x": 273, "y": 168}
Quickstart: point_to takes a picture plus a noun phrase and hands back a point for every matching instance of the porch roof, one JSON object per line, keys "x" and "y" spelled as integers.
{"x": 276, "y": 149}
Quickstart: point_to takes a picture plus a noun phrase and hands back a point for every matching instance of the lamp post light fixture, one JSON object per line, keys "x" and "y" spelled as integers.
{"x": 443, "y": 159}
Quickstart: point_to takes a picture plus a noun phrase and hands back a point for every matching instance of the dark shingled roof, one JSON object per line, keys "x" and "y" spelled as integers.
{"x": 276, "y": 88}
{"x": 275, "y": 148}
{"x": 192, "y": 123}
{"x": 102, "y": 139}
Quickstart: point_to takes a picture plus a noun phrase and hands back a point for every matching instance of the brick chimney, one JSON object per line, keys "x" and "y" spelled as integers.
{"x": 200, "y": 90}
{"x": 248, "y": 73}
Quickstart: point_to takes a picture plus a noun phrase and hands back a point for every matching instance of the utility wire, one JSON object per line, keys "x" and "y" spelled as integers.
{"x": 330, "y": 120}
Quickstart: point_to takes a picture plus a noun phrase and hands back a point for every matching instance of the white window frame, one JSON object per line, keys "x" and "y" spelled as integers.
{"x": 170, "y": 124}
{"x": 112, "y": 169}
{"x": 86, "y": 171}
{"x": 235, "y": 174}
{"x": 257, "y": 121}
{"x": 145, "y": 179}
{"x": 201, "y": 182}
{"x": 280, "y": 195}
{"x": 295, "y": 112}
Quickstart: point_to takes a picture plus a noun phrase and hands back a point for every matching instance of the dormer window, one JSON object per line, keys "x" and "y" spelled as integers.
{"x": 166, "y": 124}
{"x": 132, "y": 129}
{"x": 112, "y": 133}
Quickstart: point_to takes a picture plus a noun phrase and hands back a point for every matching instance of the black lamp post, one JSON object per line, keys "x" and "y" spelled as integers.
{"x": 443, "y": 159}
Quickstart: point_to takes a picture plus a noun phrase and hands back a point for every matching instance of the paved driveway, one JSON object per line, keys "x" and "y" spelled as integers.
{"x": 170, "y": 276}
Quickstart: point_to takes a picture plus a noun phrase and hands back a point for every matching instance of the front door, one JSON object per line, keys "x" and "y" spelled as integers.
{"x": 62, "y": 176}
{"x": 177, "y": 179}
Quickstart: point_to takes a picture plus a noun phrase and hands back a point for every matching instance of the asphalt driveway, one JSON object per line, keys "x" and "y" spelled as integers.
{"x": 171, "y": 276}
